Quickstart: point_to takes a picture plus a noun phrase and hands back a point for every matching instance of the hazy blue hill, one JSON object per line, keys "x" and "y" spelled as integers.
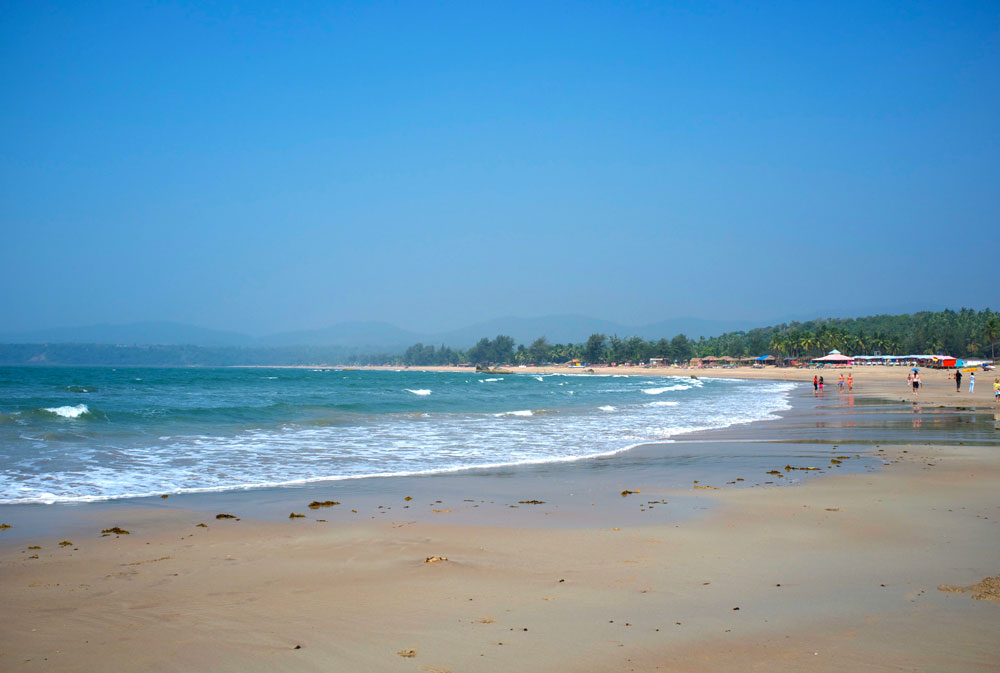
{"x": 575, "y": 328}
{"x": 148, "y": 333}
{"x": 555, "y": 328}
{"x": 371, "y": 334}
{"x": 691, "y": 327}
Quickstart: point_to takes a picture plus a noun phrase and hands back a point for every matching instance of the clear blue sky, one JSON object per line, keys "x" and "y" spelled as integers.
{"x": 262, "y": 167}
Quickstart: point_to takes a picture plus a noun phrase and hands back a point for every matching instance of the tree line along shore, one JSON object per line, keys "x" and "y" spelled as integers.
{"x": 965, "y": 333}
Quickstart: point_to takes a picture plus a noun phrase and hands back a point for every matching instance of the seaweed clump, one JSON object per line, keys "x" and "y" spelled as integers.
{"x": 224, "y": 516}
{"x": 114, "y": 531}
{"x": 316, "y": 504}
{"x": 531, "y": 502}
{"x": 293, "y": 515}
{"x": 65, "y": 543}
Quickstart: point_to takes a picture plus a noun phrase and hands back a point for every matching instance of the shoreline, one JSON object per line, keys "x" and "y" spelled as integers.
{"x": 66, "y": 517}
{"x": 601, "y": 450}
{"x": 838, "y": 573}
{"x": 885, "y": 381}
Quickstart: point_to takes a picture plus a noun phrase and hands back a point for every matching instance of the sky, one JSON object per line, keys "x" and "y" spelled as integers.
{"x": 264, "y": 167}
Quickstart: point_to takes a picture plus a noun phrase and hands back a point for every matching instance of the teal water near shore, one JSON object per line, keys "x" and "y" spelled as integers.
{"x": 86, "y": 434}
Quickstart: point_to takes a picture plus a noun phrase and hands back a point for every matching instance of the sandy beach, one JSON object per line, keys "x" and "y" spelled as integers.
{"x": 859, "y": 567}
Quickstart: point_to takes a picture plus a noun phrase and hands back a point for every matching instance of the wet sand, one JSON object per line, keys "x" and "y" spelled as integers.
{"x": 839, "y": 572}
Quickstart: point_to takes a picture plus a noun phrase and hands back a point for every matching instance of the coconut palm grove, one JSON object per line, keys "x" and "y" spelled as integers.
{"x": 963, "y": 333}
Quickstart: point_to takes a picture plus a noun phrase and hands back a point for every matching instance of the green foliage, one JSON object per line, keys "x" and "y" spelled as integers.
{"x": 497, "y": 351}
{"x": 964, "y": 333}
{"x": 593, "y": 351}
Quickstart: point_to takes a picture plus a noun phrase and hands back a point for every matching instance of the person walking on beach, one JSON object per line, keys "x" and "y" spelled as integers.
{"x": 821, "y": 383}
{"x": 996, "y": 390}
{"x": 916, "y": 383}
{"x": 909, "y": 380}
{"x": 850, "y": 382}
{"x": 972, "y": 381}
{"x": 840, "y": 383}
{"x": 958, "y": 380}
{"x": 815, "y": 383}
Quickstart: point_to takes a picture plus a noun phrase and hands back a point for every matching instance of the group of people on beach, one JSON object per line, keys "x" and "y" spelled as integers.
{"x": 913, "y": 380}
{"x": 958, "y": 381}
{"x": 849, "y": 382}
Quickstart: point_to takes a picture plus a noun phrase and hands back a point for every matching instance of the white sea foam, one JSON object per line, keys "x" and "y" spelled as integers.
{"x": 212, "y": 458}
{"x": 538, "y": 378}
{"x": 69, "y": 412}
{"x": 489, "y": 380}
{"x": 666, "y": 389}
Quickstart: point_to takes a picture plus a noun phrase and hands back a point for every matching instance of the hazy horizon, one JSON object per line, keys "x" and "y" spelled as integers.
{"x": 264, "y": 169}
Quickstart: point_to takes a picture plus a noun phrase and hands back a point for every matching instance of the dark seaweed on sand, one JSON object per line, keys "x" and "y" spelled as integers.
{"x": 114, "y": 531}
{"x": 316, "y": 504}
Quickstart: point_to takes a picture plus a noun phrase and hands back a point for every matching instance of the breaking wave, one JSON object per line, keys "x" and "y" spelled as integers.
{"x": 69, "y": 412}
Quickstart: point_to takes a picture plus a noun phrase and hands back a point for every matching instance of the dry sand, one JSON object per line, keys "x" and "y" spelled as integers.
{"x": 841, "y": 573}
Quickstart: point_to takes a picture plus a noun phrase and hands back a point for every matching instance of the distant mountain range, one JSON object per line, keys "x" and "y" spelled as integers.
{"x": 144, "y": 333}
{"x": 382, "y": 337}
{"x": 379, "y": 336}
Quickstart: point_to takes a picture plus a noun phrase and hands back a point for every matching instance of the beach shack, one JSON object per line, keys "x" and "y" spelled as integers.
{"x": 943, "y": 362}
{"x": 834, "y": 357}
{"x": 764, "y": 360}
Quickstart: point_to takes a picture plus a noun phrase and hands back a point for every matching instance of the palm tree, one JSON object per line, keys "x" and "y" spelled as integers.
{"x": 807, "y": 341}
{"x": 779, "y": 343}
{"x": 992, "y": 331}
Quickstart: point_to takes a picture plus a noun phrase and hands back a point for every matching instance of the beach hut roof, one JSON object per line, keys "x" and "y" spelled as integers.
{"x": 765, "y": 357}
{"x": 832, "y": 357}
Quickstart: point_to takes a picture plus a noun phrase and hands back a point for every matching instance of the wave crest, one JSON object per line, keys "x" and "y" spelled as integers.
{"x": 69, "y": 412}
{"x": 665, "y": 389}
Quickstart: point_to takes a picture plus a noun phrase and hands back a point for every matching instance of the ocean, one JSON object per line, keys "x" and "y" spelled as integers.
{"x": 78, "y": 434}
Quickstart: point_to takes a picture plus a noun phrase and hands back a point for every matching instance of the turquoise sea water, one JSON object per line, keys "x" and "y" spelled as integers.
{"x": 89, "y": 433}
